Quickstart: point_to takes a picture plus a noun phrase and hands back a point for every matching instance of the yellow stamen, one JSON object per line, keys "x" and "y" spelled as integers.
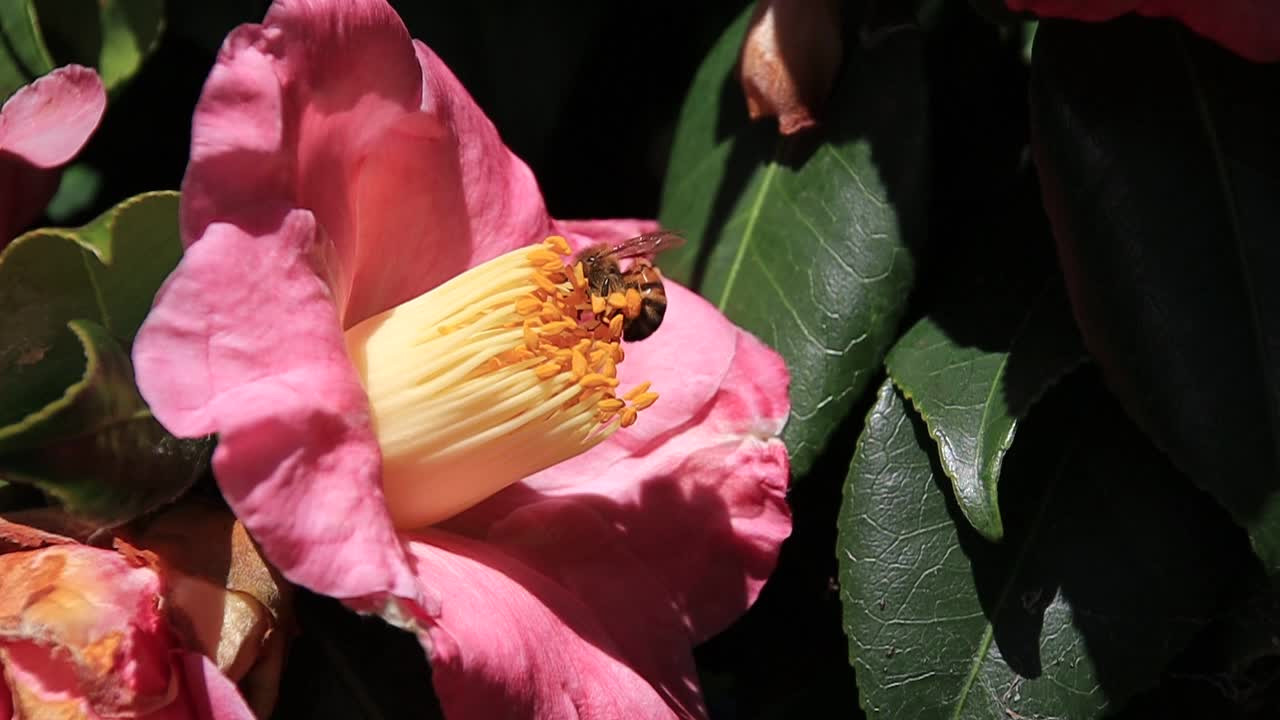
{"x": 528, "y": 305}
{"x": 597, "y": 304}
{"x": 617, "y": 300}
{"x": 547, "y": 370}
{"x": 558, "y": 245}
{"x": 591, "y": 380}
{"x": 644, "y": 400}
{"x": 542, "y": 256}
{"x": 530, "y": 336}
{"x": 544, "y": 283}
{"x": 637, "y": 391}
{"x": 487, "y": 379}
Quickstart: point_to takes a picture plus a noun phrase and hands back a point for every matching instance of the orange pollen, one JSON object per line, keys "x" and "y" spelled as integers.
{"x": 558, "y": 245}
{"x": 633, "y": 302}
{"x": 554, "y": 332}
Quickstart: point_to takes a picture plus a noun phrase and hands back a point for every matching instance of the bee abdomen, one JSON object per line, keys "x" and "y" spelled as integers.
{"x": 644, "y": 324}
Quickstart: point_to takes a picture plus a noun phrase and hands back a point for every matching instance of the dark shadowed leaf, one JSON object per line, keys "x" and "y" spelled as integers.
{"x": 71, "y": 421}
{"x": 113, "y": 36}
{"x": 77, "y": 191}
{"x": 806, "y": 241}
{"x": 23, "y": 55}
{"x": 106, "y": 272}
{"x": 345, "y": 666}
{"x": 1111, "y": 562}
{"x": 101, "y": 453}
{"x": 972, "y": 370}
{"x": 1158, "y": 158}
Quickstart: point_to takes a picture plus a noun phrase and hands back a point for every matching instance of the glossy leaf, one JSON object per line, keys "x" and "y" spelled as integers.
{"x": 807, "y": 241}
{"x": 106, "y": 272}
{"x": 972, "y": 371}
{"x": 1160, "y": 170}
{"x": 1110, "y": 564}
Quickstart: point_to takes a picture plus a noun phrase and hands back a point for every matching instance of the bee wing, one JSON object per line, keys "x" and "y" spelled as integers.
{"x": 646, "y": 245}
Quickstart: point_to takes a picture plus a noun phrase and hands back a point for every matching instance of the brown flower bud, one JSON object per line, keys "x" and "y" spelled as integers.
{"x": 789, "y": 60}
{"x": 224, "y": 600}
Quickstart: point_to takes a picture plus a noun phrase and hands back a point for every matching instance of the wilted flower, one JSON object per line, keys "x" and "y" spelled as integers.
{"x": 43, "y": 126}
{"x": 93, "y": 632}
{"x": 385, "y": 328}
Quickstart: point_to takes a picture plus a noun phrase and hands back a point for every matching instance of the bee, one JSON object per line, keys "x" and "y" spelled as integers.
{"x": 605, "y": 276}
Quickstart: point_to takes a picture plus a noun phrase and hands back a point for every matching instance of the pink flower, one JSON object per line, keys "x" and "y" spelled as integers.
{"x": 339, "y": 171}
{"x": 84, "y": 632}
{"x": 43, "y": 126}
{"x": 1250, "y": 28}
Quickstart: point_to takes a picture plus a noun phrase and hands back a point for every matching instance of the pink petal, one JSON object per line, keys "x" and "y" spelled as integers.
{"x": 511, "y": 643}
{"x": 210, "y": 694}
{"x": 42, "y": 126}
{"x": 584, "y": 232}
{"x": 660, "y": 548}
{"x": 243, "y": 341}
{"x": 1250, "y": 28}
{"x": 329, "y": 106}
{"x": 47, "y": 122}
{"x": 685, "y": 360}
{"x": 500, "y": 198}
{"x": 24, "y": 193}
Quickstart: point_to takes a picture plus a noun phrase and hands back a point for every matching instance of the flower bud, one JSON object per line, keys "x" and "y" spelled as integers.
{"x": 789, "y": 60}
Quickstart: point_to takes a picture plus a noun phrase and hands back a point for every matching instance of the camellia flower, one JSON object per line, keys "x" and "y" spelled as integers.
{"x": 88, "y": 632}
{"x": 1249, "y": 28}
{"x": 423, "y": 408}
{"x": 43, "y": 126}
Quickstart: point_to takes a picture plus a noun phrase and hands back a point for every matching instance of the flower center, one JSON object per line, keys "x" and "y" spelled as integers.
{"x": 506, "y": 369}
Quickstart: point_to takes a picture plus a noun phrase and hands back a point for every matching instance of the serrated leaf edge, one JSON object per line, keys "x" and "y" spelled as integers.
{"x": 989, "y": 474}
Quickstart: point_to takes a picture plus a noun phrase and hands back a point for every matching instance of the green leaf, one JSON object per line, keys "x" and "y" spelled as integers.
{"x": 1160, "y": 170}
{"x": 1111, "y": 562}
{"x": 112, "y": 461}
{"x": 972, "y": 370}
{"x": 77, "y": 190}
{"x": 71, "y": 421}
{"x": 113, "y": 36}
{"x": 106, "y": 272}
{"x": 23, "y": 55}
{"x": 806, "y": 241}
